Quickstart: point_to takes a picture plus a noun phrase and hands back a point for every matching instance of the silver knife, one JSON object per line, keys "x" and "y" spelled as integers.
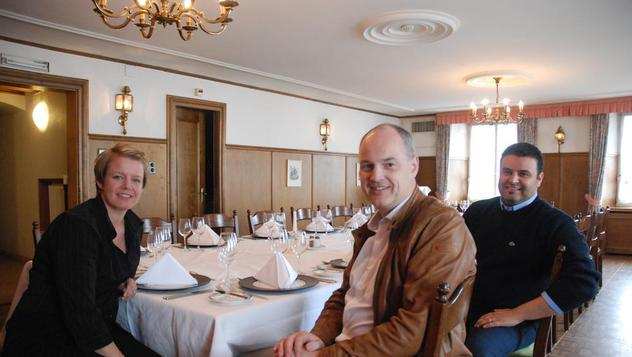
{"x": 241, "y": 295}
{"x": 188, "y": 293}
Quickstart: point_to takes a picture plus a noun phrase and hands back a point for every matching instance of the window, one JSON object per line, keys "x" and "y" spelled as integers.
{"x": 487, "y": 143}
{"x": 624, "y": 189}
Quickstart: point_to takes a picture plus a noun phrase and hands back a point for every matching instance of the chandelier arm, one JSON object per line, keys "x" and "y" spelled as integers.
{"x": 219, "y": 31}
{"x": 185, "y": 38}
{"x": 147, "y": 31}
{"x": 113, "y": 26}
{"x": 104, "y": 11}
{"x": 222, "y": 18}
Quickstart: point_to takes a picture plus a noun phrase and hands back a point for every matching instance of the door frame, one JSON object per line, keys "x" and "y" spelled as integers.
{"x": 77, "y": 106}
{"x": 219, "y": 141}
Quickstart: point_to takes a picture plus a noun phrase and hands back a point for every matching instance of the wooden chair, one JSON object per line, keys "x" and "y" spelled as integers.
{"x": 546, "y": 336}
{"x": 301, "y": 215}
{"x": 446, "y": 312}
{"x": 37, "y": 234}
{"x": 151, "y": 223}
{"x": 23, "y": 284}
{"x": 258, "y": 218}
{"x": 340, "y": 214}
{"x": 220, "y": 222}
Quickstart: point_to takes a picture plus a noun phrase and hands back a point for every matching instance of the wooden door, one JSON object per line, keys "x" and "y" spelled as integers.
{"x": 190, "y": 162}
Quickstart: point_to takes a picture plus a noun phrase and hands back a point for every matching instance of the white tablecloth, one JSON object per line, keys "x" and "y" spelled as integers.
{"x": 194, "y": 326}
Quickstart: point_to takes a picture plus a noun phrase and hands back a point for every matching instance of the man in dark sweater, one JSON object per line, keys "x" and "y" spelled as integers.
{"x": 517, "y": 235}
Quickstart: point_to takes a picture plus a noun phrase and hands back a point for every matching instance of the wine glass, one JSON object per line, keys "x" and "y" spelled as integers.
{"x": 156, "y": 242}
{"x": 165, "y": 238}
{"x": 279, "y": 218}
{"x": 184, "y": 229}
{"x": 278, "y": 244}
{"x": 299, "y": 243}
{"x": 226, "y": 254}
{"x": 198, "y": 228}
{"x": 350, "y": 227}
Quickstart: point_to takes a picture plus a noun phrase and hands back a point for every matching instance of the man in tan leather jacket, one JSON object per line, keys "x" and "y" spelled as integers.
{"x": 410, "y": 245}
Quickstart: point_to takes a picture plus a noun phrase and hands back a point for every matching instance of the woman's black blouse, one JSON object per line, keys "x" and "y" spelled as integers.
{"x": 73, "y": 293}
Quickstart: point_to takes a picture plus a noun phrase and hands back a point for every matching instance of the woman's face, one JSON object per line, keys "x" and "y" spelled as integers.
{"x": 123, "y": 184}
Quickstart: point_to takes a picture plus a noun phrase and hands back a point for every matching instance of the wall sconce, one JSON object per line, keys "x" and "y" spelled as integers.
{"x": 124, "y": 102}
{"x": 40, "y": 112}
{"x": 325, "y": 132}
{"x": 559, "y": 135}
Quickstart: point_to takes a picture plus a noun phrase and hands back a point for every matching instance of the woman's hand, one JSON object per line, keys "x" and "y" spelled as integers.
{"x": 128, "y": 288}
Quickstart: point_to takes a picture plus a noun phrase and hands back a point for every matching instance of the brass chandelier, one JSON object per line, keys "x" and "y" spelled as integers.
{"x": 146, "y": 13}
{"x": 498, "y": 113}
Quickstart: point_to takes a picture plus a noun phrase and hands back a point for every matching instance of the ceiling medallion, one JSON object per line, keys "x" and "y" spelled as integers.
{"x": 409, "y": 27}
{"x": 146, "y": 13}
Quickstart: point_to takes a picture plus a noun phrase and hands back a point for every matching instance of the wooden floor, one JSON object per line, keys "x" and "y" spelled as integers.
{"x": 605, "y": 329}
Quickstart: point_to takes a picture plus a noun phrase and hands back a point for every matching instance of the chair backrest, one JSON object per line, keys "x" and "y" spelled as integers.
{"x": 258, "y": 218}
{"x": 221, "y": 221}
{"x": 341, "y": 211}
{"x": 37, "y": 234}
{"x": 446, "y": 312}
{"x": 586, "y": 225}
{"x": 23, "y": 284}
{"x": 543, "y": 339}
{"x": 151, "y": 223}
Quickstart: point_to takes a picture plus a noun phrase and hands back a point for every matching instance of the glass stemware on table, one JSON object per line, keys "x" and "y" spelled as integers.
{"x": 299, "y": 242}
{"x": 198, "y": 227}
{"x": 226, "y": 255}
{"x": 184, "y": 229}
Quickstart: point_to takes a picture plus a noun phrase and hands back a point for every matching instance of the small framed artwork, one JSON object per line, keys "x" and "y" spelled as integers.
{"x": 294, "y": 173}
{"x": 358, "y": 174}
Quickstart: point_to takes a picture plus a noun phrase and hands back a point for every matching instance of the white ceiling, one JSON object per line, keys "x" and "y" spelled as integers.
{"x": 571, "y": 49}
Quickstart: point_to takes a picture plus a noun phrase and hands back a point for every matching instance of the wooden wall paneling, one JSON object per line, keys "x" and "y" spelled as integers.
{"x": 329, "y": 180}
{"x": 458, "y": 178}
{"x": 354, "y": 194}
{"x": 550, "y": 188}
{"x": 153, "y": 202}
{"x": 574, "y": 182}
{"x": 284, "y": 196}
{"x": 619, "y": 238}
{"x": 247, "y": 182}
{"x": 427, "y": 175}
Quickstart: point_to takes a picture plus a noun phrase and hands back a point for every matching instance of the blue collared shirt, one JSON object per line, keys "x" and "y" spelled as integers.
{"x": 515, "y": 208}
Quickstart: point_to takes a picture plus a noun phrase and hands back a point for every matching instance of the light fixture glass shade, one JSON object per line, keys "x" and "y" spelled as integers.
{"x": 124, "y": 101}
{"x": 560, "y": 135}
{"x": 40, "y": 115}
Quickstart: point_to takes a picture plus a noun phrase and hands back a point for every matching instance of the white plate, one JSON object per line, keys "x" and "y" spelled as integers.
{"x": 227, "y": 299}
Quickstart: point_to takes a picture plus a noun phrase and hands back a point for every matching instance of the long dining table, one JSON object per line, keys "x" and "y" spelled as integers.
{"x": 196, "y": 326}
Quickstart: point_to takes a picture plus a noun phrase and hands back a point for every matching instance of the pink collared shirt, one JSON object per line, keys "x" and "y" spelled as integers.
{"x": 357, "y": 317}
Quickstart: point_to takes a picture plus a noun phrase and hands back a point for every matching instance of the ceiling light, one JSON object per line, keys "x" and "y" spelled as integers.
{"x": 498, "y": 112}
{"x": 146, "y": 13}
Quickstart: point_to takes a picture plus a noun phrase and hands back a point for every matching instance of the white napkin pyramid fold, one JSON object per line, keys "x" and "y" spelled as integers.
{"x": 269, "y": 229}
{"x": 209, "y": 237}
{"x": 358, "y": 218}
{"x": 277, "y": 272}
{"x": 319, "y": 224}
{"x": 167, "y": 272}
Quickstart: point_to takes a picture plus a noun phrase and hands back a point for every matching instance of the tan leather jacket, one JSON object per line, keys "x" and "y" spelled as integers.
{"x": 429, "y": 243}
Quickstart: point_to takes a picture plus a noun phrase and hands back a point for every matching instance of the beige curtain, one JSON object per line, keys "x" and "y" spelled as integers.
{"x": 526, "y": 130}
{"x": 597, "y": 155}
{"x": 442, "y": 159}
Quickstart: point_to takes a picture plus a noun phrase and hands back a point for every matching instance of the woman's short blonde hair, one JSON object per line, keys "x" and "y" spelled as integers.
{"x": 125, "y": 150}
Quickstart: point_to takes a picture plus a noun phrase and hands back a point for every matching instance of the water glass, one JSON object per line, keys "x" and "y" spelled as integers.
{"x": 226, "y": 254}
{"x": 299, "y": 242}
{"x": 184, "y": 229}
{"x": 198, "y": 228}
{"x": 279, "y": 244}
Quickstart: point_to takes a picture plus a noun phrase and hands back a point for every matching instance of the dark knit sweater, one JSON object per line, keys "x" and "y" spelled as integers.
{"x": 515, "y": 252}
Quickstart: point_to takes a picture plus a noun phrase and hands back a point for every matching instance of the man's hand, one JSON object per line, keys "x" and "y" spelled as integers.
{"x": 499, "y": 318}
{"x": 128, "y": 288}
{"x": 298, "y": 344}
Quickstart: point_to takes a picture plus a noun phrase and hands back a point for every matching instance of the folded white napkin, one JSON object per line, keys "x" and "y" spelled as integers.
{"x": 167, "y": 272}
{"x": 358, "y": 218}
{"x": 209, "y": 237}
{"x": 425, "y": 190}
{"x": 277, "y": 272}
{"x": 269, "y": 229}
{"x": 319, "y": 224}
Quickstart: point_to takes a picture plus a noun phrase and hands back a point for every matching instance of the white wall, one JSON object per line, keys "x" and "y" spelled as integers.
{"x": 577, "y": 131}
{"x": 253, "y": 117}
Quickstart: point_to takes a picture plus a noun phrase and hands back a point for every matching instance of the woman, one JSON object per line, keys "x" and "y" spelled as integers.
{"x": 84, "y": 263}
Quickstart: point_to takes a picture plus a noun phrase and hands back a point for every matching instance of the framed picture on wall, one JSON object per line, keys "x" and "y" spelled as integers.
{"x": 358, "y": 174}
{"x": 294, "y": 173}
